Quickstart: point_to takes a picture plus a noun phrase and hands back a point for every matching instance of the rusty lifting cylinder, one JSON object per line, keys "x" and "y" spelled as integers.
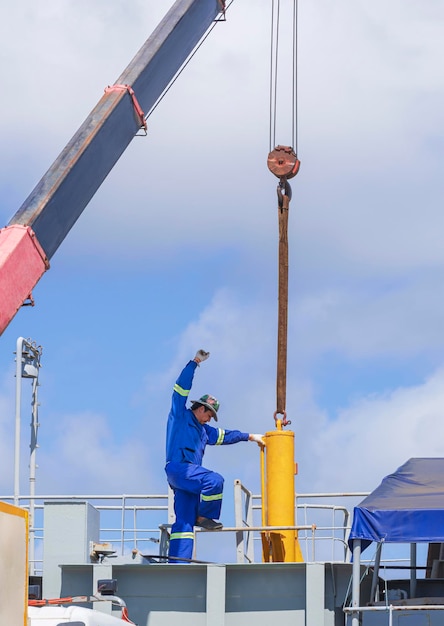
{"x": 283, "y": 163}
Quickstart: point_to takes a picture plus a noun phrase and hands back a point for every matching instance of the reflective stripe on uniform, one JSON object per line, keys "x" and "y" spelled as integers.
{"x": 181, "y": 536}
{"x": 221, "y": 437}
{"x": 180, "y": 391}
{"x": 217, "y": 496}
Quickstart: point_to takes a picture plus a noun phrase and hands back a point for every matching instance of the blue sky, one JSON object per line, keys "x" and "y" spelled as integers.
{"x": 178, "y": 249}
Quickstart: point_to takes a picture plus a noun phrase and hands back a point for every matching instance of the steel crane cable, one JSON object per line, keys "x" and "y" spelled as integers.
{"x": 275, "y": 43}
{"x": 295, "y": 78}
{"x": 201, "y": 42}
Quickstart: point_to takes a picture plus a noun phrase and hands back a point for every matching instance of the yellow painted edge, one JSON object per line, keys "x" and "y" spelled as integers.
{"x": 10, "y": 509}
{"x": 13, "y": 510}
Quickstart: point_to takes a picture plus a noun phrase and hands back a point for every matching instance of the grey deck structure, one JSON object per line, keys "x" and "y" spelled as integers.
{"x": 291, "y": 594}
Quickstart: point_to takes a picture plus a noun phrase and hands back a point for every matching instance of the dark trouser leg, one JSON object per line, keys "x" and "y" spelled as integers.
{"x": 211, "y": 495}
{"x": 182, "y": 532}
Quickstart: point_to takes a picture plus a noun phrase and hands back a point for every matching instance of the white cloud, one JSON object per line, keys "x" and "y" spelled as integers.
{"x": 395, "y": 321}
{"x": 376, "y": 434}
{"x": 82, "y": 454}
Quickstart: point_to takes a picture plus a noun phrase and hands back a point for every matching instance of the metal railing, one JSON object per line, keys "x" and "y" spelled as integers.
{"x": 321, "y": 535}
{"x": 133, "y": 522}
{"x": 127, "y": 521}
{"x": 357, "y": 613}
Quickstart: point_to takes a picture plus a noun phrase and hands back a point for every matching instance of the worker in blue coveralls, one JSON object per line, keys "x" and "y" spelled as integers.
{"x": 197, "y": 491}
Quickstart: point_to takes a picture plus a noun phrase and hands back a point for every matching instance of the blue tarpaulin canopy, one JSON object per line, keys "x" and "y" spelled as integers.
{"x": 407, "y": 507}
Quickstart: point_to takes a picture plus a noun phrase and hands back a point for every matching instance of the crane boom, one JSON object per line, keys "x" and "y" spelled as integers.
{"x": 41, "y": 224}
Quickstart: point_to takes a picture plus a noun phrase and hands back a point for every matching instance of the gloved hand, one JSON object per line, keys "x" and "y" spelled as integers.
{"x": 201, "y": 355}
{"x": 259, "y": 439}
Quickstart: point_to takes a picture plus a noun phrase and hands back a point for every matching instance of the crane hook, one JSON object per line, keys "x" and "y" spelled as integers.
{"x": 284, "y": 193}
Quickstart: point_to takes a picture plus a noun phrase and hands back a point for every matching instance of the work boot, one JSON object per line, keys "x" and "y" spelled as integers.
{"x": 208, "y": 524}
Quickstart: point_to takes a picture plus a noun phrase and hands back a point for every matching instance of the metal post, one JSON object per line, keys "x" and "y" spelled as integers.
{"x": 18, "y": 396}
{"x": 356, "y": 580}
{"x": 243, "y": 516}
{"x": 27, "y": 366}
{"x": 32, "y": 474}
{"x": 171, "y": 514}
{"x": 413, "y": 570}
{"x": 238, "y": 517}
{"x": 376, "y": 573}
{"x": 249, "y": 521}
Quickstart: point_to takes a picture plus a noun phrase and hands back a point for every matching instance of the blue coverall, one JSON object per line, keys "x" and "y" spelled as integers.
{"x": 197, "y": 491}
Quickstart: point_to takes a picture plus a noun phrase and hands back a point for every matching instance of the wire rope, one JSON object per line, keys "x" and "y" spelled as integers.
{"x": 295, "y": 77}
{"x": 173, "y": 80}
{"x": 276, "y": 77}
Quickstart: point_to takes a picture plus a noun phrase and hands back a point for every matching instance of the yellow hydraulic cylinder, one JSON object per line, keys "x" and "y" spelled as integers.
{"x": 278, "y": 497}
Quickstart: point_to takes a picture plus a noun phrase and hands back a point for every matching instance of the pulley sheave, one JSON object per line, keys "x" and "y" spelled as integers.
{"x": 283, "y": 162}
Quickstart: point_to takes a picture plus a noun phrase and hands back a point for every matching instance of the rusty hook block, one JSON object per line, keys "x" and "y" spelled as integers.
{"x": 283, "y": 162}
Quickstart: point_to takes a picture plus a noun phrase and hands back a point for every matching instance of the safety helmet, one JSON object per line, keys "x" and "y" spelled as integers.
{"x": 210, "y": 403}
